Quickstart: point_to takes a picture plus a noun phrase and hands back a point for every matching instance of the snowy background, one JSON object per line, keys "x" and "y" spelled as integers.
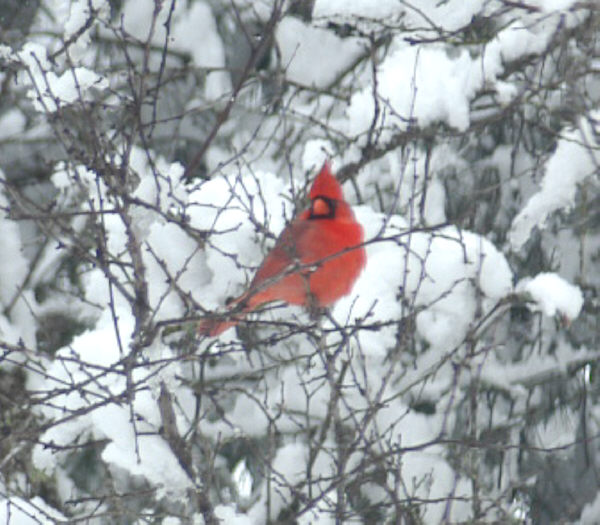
{"x": 151, "y": 152}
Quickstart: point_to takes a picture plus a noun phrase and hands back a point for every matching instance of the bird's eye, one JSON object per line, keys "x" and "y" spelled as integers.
{"x": 322, "y": 208}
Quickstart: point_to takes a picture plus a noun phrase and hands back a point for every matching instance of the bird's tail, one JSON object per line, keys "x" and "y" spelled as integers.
{"x": 217, "y": 325}
{"x": 214, "y": 327}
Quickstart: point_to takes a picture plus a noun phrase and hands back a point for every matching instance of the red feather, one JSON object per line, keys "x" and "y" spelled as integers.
{"x": 315, "y": 261}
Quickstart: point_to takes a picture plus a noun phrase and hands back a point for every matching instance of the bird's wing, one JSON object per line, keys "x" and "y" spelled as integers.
{"x": 286, "y": 253}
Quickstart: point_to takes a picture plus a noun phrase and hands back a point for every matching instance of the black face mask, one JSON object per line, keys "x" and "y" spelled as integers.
{"x": 327, "y": 208}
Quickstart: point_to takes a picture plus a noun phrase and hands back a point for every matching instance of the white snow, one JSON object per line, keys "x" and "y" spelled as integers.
{"x": 12, "y": 122}
{"x": 17, "y": 322}
{"x": 17, "y": 511}
{"x": 188, "y": 23}
{"x": 199, "y": 20}
{"x": 300, "y": 43}
{"x": 449, "y": 272}
{"x": 553, "y": 5}
{"x": 448, "y": 277}
{"x": 571, "y": 163}
{"x": 157, "y": 462}
{"x": 590, "y": 513}
{"x": 316, "y": 152}
{"x": 424, "y": 15}
{"x": 137, "y": 19}
{"x": 287, "y": 466}
{"x": 6, "y": 53}
{"x": 242, "y": 480}
{"x": 413, "y": 83}
{"x": 79, "y": 16}
{"x": 13, "y": 265}
{"x": 429, "y": 84}
{"x": 560, "y": 430}
{"x": 49, "y": 90}
{"x": 109, "y": 420}
{"x": 515, "y": 40}
{"x": 160, "y": 186}
{"x": 553, "y": 295}
{"x": 230, "y": 205}
{"x": 228, "y": 514}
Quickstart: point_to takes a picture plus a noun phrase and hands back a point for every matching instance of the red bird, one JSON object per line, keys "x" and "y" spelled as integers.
{"x": 315, "y": 261}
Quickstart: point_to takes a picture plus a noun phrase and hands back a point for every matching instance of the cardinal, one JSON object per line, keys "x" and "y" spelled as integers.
{"x": 315, "y": 261}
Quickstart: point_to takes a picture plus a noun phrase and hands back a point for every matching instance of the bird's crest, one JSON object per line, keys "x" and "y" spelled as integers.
{"x": 326, "y": 185}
